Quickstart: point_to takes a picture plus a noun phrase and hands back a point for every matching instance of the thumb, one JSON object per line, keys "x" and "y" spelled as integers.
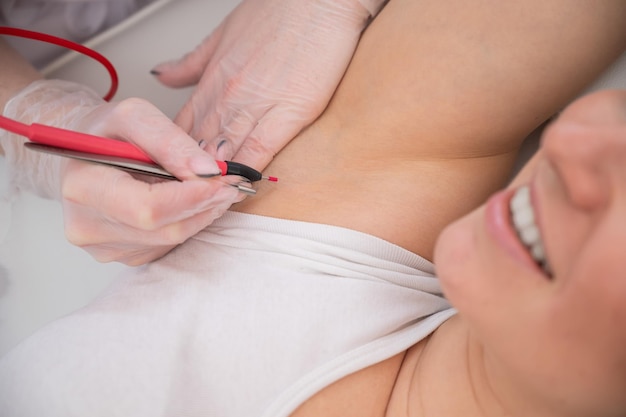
{"x": 266, "y": 140}
{"x": 182, "y": 157}
{"x": 188, "y": 70}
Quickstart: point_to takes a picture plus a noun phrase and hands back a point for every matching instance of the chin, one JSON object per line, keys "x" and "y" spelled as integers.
{"x": 454, "y": 250}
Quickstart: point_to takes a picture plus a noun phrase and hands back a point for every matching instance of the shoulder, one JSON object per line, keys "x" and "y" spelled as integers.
{"x": 434, "y": 368}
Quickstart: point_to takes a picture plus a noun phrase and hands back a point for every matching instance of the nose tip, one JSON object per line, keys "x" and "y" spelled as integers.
{"x": 587, "y": 147}
{"x": 571, "y": 152}
{"x": 600, "y": 108}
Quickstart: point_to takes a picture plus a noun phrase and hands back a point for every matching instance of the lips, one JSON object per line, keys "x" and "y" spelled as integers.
{"x": 500, "y": 211}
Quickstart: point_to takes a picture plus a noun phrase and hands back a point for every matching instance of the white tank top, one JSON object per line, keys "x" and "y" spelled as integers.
{"x": 249, "y": 318}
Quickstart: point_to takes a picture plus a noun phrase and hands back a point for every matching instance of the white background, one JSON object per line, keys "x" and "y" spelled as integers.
{"x": 41, "y": 275}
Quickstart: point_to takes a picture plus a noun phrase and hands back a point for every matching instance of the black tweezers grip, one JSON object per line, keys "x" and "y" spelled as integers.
{"x": 235, "y": 168}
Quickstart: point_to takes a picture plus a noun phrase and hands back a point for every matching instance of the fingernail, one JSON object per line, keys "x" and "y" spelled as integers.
{"x": 221, "y": 143}
{"x": 163, "y": 66}
{"x": 204, "y": 166}
{"x": 208, "y": 175}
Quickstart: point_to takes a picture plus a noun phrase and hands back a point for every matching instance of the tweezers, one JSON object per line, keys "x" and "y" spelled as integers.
{"x": 134, "y": 166}
{"x": 111, "y": 152}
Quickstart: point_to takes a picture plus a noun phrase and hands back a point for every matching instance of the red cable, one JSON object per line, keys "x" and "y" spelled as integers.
{"x": 13, "y": 126}
{"x": 22, "y": 129}
{"x": 23, "y": 33}
{"x": 66, "y": 139}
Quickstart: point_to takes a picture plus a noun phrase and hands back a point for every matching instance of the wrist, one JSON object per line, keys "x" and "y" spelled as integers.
{"x": 51, "y": 102}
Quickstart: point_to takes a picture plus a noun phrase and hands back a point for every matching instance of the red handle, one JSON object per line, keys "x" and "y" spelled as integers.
{"x": 83, "y": 142}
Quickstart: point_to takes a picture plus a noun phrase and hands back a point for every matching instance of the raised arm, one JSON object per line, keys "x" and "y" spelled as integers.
{"x": 430, "y": 115}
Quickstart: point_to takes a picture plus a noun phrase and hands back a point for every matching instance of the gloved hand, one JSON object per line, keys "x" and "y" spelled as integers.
{"x": 112, "y": 214}
{"x": 266, "y": 72}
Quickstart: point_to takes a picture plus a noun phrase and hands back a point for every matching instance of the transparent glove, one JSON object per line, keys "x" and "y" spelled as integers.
{"x": 112, "y": 214}
{"x": 266, "y": 72}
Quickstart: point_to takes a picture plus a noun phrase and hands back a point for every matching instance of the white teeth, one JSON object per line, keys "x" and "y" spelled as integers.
{"x": 530, "y": 234}
{"x": 524, "y": 221}
{"x": 538, "y": 253}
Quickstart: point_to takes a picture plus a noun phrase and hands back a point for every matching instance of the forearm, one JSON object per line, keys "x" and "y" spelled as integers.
{"x": 466, "y": 70}
{"x": 15, "y": 74}
{"x": 27, "y": 97}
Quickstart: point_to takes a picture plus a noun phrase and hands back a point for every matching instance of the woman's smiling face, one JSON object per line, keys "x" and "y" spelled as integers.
{"x": 555, "y": 320}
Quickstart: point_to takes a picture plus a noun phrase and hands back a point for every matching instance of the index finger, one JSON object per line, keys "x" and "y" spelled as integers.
{"x": 141, "y": 123}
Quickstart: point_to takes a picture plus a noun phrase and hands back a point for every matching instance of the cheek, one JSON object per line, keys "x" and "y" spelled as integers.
{"x": 592, "y": 307}
{"x": 569, "y": 340}
{"x": 495, "y": 297}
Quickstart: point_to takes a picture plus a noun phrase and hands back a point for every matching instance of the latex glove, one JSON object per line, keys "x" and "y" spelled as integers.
{"x": 266, "y": 72}
{"x": 108, "y": 212}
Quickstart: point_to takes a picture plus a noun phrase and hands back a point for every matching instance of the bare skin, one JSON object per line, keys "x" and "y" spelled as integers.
{"x": 15, "y": 74}
{"x": 428, "y": 121}
{"x": 424, "y": 127}
{"x": 445, "y": 124}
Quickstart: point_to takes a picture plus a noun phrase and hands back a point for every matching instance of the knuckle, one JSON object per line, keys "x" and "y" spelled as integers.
{"x": 233, "y": 84}
{"x": 69, "y": 193}
{"x": 135, "y": 261}
{"x": 148, "y": 220}
{"x": 257, "y": 147}
{"x": 133, "y": 102}
{"x": 145, "y": 217}
{"x": 146, "y": 255}
{"x": 174, "y": 234}
{"x": 125, "y": 109}
{"x": 106, "y": 253}
{"x": 76, "y": 237}
{"x": 104, "y": 257}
